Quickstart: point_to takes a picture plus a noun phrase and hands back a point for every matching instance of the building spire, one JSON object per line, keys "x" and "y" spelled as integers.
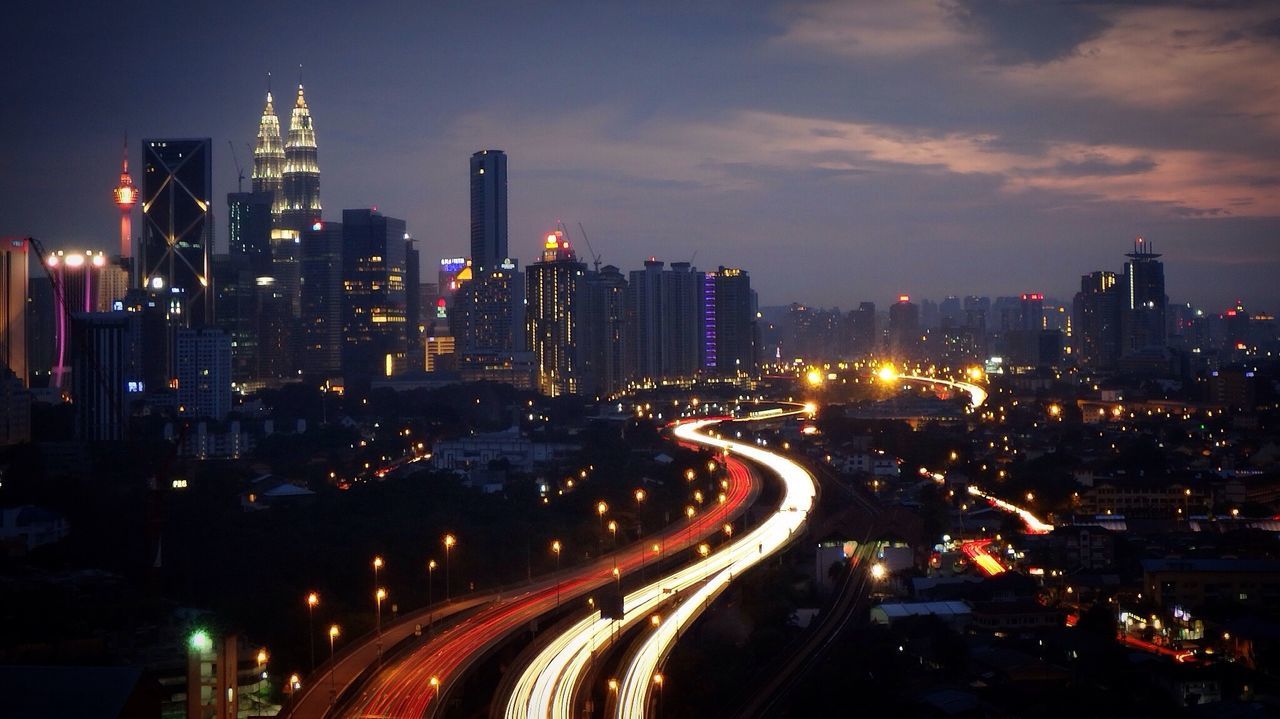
{"x": 268, "y": 157}
{"x": 301, "y": 169}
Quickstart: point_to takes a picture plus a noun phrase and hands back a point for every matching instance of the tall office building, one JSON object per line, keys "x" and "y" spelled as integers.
{"x": 106, "y": 372}
{"x": 177, "y": 238}
{"x": 269, "y": 161}
{"x": 1142, "y": 322}
{"x": 554, "y": 298}
{"x": 204, "y": 373}
{"x": 374, "y": 301}
{"x": 904, "y": 329}
{"x": 644, "y": 322}
{"x": 488, "y": 209}
{"x": 487, "y": 316}
{"x": 413, "y": 303}
{"x": 75, "y": 280}
{"x": 603, "y": 332}
{"x": 735, "y": 330}
{"x": 1096, "y": 321}
{"x": 866, "y": 338}
{"x": 235, "y": 311}
{"x": 682, "y": 321}
{"x": 249, "y": 228}
{"x": 13, "y": 296}
{"x": 321, "y": 291}
{"x": 300, "y": 180}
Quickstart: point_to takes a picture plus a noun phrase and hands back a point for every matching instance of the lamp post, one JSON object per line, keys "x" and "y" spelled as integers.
{"x": 313, "y": 600}
{"x": 613, "y": 533}
{"x": 449, "y": 541}
{"x": 378, "y": 596}
{"x": 601, "y": 508}
{"x": 640, "y": 496}
{"x": 334, "y": 631}
{"x": 556, "y": 547}
{"x": 657, "y": 682}
{"x": 262, "y": 662}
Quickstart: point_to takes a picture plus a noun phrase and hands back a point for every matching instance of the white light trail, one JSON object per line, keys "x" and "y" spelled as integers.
{"x": 548, "y": 685}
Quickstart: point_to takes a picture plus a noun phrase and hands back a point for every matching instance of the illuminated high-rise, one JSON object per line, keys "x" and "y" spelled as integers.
{"x": 1142, "y": 321}
{"x": 373, "y": 285}
{"x": 555, "y": 297}
{"x": 300, "y": 180}
{"x": 13, "y": 306}
{"x": 1096, "y": 320}
{"x": 322, "y": 300}
{"x": 488, "y": 209}
{"x": 177, "y": 233}
{"x": 731, "y": 329}
{"x": 269, "y": 160}
{"x": 904, "y": 328}
{"x": 76, "y": 277}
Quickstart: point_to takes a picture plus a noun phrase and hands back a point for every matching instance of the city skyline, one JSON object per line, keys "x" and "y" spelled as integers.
{"x": 1043, "y": 174}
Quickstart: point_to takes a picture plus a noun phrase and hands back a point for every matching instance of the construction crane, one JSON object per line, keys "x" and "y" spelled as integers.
{"x": 595, "y": 259}
{"x": 239, "y": 172}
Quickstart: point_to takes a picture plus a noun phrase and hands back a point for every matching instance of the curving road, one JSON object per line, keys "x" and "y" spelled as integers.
{"x": 549, "y": 683}
{"x": 411, "y": 684}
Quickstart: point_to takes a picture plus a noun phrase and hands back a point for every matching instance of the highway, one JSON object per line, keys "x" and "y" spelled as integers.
{"x": 977, "y": 395}
{"x": 549, "y": 683}
{"x": 410, "y": 685}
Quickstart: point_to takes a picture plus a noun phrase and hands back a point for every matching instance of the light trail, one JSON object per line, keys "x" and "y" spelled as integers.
{"x": 1033, "y": 523}
{"x": 977, "y": 395}
{"x": 410, "y": 685}
{"x": 976, "y": 551}
{"x": 547, "y": 686}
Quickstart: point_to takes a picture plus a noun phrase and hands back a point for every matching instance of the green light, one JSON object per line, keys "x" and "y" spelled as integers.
{"x": 200, "y": 640}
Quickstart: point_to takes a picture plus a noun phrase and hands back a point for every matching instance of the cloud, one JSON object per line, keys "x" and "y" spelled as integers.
{"x": 901, "y": 27}
{"x": 1018, "y": 31}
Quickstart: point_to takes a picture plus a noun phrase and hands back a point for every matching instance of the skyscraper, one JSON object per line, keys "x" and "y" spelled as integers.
{"x": 488, "y": 208}
{"x": 555, "y": 297}
{"x": 204, "y": 373}
{"x": 106, "y": 370}
{"x": 235, "y": 313}
{"x": 177, "y": 191}
{"x": 735, "y": 322}
{"x": 602, "y": 333}
{"x": 300, "y": 181}
{"x": 373, "y": 275}
{"x": 75, "y": 279}
{"x": 249, "y": 228}
{"x": 682, "y": 321}
{"x": 13, "y": 306}
{"x": 268, "y": 160}
{"x": 904, "y": 328}
{"x": 644, "y": 322}
{"x": 866, "y": 339}
{"x": 1096, "y": 320}
{"x": 322, "y": 301}
{"x": 413, "y": 303}
{"x": 1142, "y": 322}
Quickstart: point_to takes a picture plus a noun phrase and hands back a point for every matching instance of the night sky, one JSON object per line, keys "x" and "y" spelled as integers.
{"x": 839, "y": 151}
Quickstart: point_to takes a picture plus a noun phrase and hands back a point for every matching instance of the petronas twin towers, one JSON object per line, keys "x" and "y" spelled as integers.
{"x": 288, "y": 170}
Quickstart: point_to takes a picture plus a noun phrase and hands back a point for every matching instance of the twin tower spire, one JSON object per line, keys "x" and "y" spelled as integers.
{"x": 289, "y": 170}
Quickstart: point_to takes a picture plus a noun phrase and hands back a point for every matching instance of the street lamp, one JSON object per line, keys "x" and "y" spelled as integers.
{"x": 313, "y": 600}
{"x": 333, "y": 668}
{"x": 639, "y": 495}
{"x": 378, "y": 596}
{"x": 556, "y": 547}
{"x": 262, "y": 674}
{"x": 449, "y": 541}
{"x": 613, "y": 532}
{"x": 601, "y": 508}
{"x": 435, "y": 684}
